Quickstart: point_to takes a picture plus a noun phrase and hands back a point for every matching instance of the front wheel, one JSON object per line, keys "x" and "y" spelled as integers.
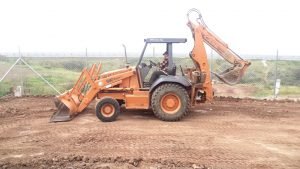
{"x": 107, "y": 109}
{"x": 170, "y": 102}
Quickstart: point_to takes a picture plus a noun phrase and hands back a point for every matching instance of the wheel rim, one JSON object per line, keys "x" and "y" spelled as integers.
{"x": 170, "y": 103}
{"x": 107, "y": 110}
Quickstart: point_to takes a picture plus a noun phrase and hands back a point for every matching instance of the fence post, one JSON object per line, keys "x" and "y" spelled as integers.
{"x": 86, "y": 57}
{"x": 275, "y": 81}
{"x": 21, "y": 73}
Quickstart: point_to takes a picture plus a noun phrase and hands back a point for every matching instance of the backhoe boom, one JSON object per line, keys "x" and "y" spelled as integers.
{"x": 231, "y": 75}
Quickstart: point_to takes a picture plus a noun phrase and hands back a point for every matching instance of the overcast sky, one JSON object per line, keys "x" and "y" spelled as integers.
{"x": 248, "y": 26}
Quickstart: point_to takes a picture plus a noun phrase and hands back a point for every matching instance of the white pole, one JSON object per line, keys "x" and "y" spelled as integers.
{"x": 21, "y": 73}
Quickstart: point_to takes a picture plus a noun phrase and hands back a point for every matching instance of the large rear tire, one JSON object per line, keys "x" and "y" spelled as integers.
{"x": 170, "y": 102}
{"x": 107, "y": 109}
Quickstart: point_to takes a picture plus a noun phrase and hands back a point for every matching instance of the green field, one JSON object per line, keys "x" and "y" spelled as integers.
{"x": 63, "y": 73}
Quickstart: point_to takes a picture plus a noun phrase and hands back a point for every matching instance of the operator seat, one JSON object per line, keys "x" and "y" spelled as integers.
{"x": 171, "y": 72}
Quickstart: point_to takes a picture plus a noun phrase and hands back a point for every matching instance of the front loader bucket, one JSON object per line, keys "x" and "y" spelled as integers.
{"x": 75, "y": 100}
{"x": 62, "y": 114}
{"x": 232, "y": 75}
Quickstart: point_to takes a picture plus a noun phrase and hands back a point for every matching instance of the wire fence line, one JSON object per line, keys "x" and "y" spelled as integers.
{"x": 50, "y": 75}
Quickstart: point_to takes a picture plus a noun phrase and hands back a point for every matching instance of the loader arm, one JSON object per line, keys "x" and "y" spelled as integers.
{"x": 201, "y": 33}
{"x": 89, "y": 84}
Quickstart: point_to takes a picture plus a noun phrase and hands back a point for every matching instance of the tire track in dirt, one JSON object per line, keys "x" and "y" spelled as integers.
{"x": 4, "y": 127}
{"x": 226, "y": 134}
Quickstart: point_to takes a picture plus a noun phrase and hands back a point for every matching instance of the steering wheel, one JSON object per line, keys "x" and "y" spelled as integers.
{"x": 152, "y": 63}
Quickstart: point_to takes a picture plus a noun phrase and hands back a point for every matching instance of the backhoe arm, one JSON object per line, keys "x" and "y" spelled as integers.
{"x": 231, "y": 75}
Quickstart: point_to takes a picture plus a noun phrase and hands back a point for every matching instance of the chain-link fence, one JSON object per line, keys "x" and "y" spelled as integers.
{"x": 48, "y": 75}
{"x": 267, "y": 77}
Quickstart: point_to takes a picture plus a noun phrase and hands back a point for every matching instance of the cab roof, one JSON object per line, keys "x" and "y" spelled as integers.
{"x": 165, "y": 40}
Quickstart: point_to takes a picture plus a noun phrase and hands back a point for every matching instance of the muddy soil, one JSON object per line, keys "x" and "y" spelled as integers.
{"x": 228, "y": 133}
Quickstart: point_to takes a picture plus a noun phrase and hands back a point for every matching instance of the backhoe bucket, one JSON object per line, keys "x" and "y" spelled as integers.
{"x": 232, "y": 75}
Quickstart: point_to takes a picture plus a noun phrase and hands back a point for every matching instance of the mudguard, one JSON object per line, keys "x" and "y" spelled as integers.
{"x": 182, "y": 80}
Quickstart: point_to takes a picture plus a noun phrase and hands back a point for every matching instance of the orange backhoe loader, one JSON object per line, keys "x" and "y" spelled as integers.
{"x": 170, "y": 96}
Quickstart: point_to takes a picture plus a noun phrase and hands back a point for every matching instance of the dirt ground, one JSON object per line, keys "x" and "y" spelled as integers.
{"x": 228, "y": 133}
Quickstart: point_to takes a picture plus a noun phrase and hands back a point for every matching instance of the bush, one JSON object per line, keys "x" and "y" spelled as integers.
{"x": 75, "y": 66}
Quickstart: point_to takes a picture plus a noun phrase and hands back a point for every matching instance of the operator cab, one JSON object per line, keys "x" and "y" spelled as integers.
{"x": 148, "y": 63}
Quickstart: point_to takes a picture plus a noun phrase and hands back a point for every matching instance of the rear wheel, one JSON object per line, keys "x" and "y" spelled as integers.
{"x": 170, "y": 102}
{"x": 107, "y": 109}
